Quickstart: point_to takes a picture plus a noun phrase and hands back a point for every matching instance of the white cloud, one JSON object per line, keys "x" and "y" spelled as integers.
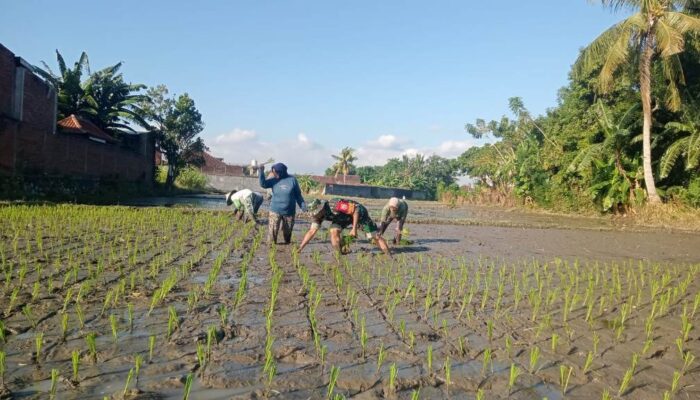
{"x": 389, "y": 142}
{"x": 236, "y": 136}
{"x": 378, "y": 151}
{"x": 304, "y": 155}
{"x": 301, "y": 154}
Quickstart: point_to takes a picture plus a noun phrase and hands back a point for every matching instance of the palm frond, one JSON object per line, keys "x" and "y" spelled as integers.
{"x": 669, "y": 39}
{"x": 684, "y": 23}
{"x": 675, "y": 150}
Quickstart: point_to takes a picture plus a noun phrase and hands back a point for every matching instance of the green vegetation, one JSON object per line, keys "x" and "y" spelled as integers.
{"x": 615, "y": 137}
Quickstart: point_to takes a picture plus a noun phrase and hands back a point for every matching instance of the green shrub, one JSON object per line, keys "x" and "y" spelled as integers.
{"x": 191, "y": 178}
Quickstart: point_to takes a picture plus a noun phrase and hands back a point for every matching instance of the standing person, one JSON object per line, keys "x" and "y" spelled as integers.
{"x": 286, "y": 194}
{"x": 395, "y": 209}
{"x": 245, "y": 202}
{"x": 342, "y": 213}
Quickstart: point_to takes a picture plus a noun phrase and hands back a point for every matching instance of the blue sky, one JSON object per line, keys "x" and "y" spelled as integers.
{"x": 298, "y": 80}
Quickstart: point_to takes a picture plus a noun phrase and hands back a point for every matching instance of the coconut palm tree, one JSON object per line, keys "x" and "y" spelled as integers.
{"x": 688, "y": 145}
{"x": 656, "y": 31}
{"x": 344, "y": 162}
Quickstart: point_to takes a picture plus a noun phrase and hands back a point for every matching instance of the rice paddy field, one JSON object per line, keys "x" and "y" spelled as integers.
{"x": 167, "y": 303}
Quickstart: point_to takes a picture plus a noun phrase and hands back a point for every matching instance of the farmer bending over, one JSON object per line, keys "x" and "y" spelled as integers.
{"x": 341, "y": 213}
{"x": 397, "y": 210}
{"x": 244, "y": 202}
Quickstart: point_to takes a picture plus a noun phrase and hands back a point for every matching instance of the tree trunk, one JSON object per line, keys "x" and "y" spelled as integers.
{"x": 170, "y": 179}
{"x": 645, "y": 91}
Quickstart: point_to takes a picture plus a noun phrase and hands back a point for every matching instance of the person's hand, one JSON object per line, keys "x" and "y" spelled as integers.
{"x": 353, "y": 232}
{"x": 304, "y": 208}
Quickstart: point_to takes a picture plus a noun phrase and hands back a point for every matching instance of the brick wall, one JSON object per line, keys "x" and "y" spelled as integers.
{"x": 31, "y": 147}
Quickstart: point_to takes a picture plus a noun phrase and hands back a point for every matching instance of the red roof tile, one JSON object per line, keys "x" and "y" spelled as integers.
{"x": 80, "y": 126}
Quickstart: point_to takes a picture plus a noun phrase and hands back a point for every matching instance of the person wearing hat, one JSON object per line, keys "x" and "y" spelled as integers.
{"x": 286, "y": 195}
{"x": 342, "y": 213}
{"x": 395, "y": 209}
{"x": 244, "y": 202}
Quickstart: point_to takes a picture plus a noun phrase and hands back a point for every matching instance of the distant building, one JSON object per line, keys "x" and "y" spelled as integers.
{"x": 34, "y": 146}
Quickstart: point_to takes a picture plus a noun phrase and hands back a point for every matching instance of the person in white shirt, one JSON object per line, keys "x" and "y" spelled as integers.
{"x": 245, "y": 203}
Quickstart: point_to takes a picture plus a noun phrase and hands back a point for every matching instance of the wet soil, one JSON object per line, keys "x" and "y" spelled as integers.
{"x": 458, "y": 292}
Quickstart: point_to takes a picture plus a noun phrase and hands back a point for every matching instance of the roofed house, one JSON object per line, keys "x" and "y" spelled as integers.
{"x": 216, "y": 166}
{"x": 79, "y": 126}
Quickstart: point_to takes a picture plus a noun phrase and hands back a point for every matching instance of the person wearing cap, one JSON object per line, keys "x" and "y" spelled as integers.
{"x": 244, "y": 202}
{"x": 286, "y": 195}
{"x": 395, "y": 209}
{"x": 342, "y": 213}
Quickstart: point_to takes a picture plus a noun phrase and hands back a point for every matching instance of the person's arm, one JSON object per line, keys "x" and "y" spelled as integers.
{"x": 355, "y": 220}
{"x": 265, "y": 183}
{"x": 309, "y": 235}
{"x": 298, "y": 196}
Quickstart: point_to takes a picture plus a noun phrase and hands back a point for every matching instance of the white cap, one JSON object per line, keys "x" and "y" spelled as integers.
{"x": 394, "y": 202}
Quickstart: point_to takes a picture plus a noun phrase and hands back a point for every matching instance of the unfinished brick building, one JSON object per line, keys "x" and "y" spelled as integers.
{"x": 32, "y": 146}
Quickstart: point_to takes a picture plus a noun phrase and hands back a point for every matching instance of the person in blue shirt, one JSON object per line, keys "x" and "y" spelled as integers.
{"x": 286, "y": 194}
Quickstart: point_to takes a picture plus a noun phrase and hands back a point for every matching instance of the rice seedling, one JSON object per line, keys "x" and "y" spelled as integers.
{"x": 380, "y": 357}
{"x": 172, "y": 321}
{"x": 223, "y": 315}
{"x": 686, "y": 327}
{"x": 461, "y": 347}
{"x": 188, "y": 386}
{"x": 130, "y": 316}
{"x": 564, "y": 376}
{"x": 480, "y": 394}
{"x": 54, "y": 383}
{"x": 629, "y": 373}
{"x": 201, "y": 358}
{"x": 79, "y": 313}
{"x": 151, "y": 346}
{"x": 92, "y": 346}
{"x": 688, "y": 359}
{"x": 448, "y": 373}
{"x": 363, "y": 336}
{"x": 2, "y": 368}
{"x": 675, "y": 381}
{"x": 393, "y": 373}
{"x": 332, "y": 379}
{"x": 415, "y": 394}
{"x": 324, "y": 351}
{"x": 39, "y": 343}
{"x": 554, "y": 342}
{"x": 679, "y": 345}
{"x": 13, "y": 299}
{"x": 75, "y": 361}
{"x": 114, "y": 325}
{"x": 514, "y": 373}
{"x": 534, "y": 357}
{"x": 129, "y": 376}
{"x": 411, "y": 339}
{"x": 429, "y": 359}
{"x": 589, "y": 361}
{"x": 2, "y": 332}
{"x": 486, "y": 362}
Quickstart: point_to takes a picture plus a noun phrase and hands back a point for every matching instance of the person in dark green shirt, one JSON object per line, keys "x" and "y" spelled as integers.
{"x": 342, "y": 213}
{"x": 395, "y": 209}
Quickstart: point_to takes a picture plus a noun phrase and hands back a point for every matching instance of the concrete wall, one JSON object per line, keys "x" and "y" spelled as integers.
{"x": 225, "y": 183}
{"x": 31, "y": 147}
{"x": 372, "y": 192}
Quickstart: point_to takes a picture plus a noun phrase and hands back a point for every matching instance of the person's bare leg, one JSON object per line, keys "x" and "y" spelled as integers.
{"x": 335, "y": 239}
